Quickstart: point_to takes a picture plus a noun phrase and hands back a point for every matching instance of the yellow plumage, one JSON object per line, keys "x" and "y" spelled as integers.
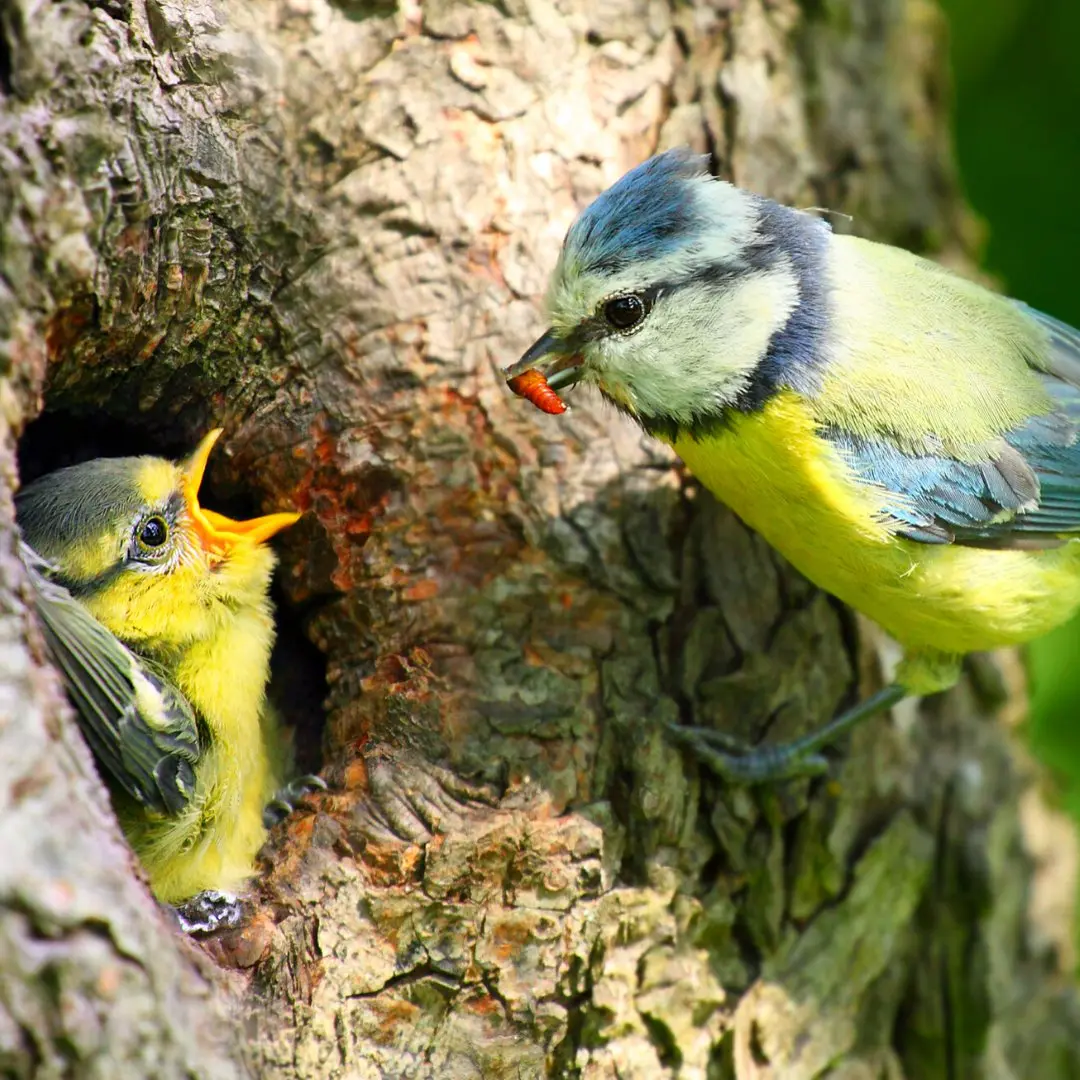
{"x": 218, "y": 656}
{"x": 783, "y": 480}
{"x": 778, "y": 473}
{"x": 195, "y": 628}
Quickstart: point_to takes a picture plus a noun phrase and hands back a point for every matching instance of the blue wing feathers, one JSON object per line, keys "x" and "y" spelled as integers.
{"x": 1030, "y": 490}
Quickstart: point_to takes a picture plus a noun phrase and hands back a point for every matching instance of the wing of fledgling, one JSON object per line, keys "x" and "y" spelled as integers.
{"x": 140, "y": 727}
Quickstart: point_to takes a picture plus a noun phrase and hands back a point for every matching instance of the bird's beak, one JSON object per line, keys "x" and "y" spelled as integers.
{"x": 554, "y": 358}
{"x": 216, "y": 532}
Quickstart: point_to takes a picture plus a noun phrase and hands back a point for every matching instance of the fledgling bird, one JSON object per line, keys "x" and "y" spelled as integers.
{"x": 906, "y": 438}
{"x": 156, "y": 612}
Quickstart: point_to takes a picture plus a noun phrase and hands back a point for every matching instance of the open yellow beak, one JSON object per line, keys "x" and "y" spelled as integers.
{"x": 217, "y": 532}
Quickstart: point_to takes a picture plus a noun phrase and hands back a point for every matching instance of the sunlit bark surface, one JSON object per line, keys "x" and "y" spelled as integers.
{"x": 326, "y": 227}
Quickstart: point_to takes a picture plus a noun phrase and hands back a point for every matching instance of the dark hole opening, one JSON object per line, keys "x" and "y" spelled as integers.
{"x": 298, "y": 688}
{"x": 7, "y": 31}
{"x": 58, "y": 439}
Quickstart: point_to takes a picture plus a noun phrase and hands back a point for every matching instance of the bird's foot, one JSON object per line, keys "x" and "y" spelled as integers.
{"x": 210, "y": 911}
{"x": 287, "y": 798}
{"x": 736, "y": 764}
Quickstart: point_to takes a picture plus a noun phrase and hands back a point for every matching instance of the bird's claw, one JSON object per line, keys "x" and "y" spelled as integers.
{"x": 210, "y": 911}
{"x": 692, "y": 737}
{"x": 736, "y": 763}
{"x": 287, "y": 798}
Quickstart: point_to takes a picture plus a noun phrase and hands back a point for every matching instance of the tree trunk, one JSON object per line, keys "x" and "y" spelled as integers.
{"x": 326, "y": 227}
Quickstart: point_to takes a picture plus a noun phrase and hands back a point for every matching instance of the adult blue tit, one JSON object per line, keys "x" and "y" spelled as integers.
{"x": 906, "y": 438}
{"x": 156, "y": 613}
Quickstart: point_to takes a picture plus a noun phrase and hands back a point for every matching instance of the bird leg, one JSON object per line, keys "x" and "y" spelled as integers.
{"x": 767, "y": 764}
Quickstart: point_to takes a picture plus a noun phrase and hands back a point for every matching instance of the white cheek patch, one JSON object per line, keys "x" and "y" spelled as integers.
{"x": 736, "y": 217}
{"x": 698, "y": 348}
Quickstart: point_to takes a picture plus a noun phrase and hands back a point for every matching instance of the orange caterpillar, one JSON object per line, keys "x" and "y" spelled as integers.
{"x": 533, "y": 387}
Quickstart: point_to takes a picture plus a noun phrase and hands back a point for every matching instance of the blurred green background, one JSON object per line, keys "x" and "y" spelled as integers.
{"x": 1016, "y": 68}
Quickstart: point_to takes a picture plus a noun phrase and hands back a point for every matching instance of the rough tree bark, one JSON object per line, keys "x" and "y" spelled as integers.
{"x": 325, "y": 227}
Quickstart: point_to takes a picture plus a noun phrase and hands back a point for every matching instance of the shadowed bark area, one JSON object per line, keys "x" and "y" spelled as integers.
{"x": 325, "y": 228}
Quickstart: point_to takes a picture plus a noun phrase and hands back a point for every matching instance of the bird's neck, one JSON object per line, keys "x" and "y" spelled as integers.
{"x": 795, "y": 354}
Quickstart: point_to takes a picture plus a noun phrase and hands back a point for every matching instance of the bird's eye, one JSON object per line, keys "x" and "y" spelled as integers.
{"x": 625, "y": 312}
{"x": 153, "y": 532}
